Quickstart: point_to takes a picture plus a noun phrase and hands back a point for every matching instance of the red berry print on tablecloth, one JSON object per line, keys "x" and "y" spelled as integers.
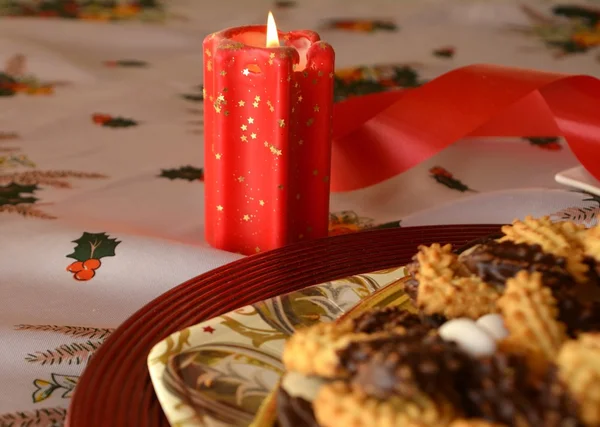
{"x": 109, "y": 121}
{"x": 90, "y": 248}
{"x": 360, "y": 25}
{"x": 550, "y": 143}
{"x": 188, "y": 173}
{"x": 444, "y": 52}
{"x": 208, "y": 329}
{"x": 126, "y": 63}
{"x": 445, "y": 178}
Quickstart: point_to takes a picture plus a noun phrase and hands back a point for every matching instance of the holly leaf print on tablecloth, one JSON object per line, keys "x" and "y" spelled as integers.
{"x": 103, "y": 10}
{"x": 195, "y": 96}
{"x": 285, "y": 4}
{"x": 109, "y": 121}
{"x": 363, "y": 80}
{"x": 90, "y": 248}
{"x": 444, "y": 177}
{"x": 46, "y": 417}
{"x": 126, "y": 63}
{"x": 45, "y": 388}
{"x": 444, "y": 52}
{"x": 550, "y": 143}
{"x": 567, "y": 29}
{"x": 188, "y": 173}
{"x": 16, "y": 194}
{"x": 26, "y": 183}
{"x": 360, "y": 25}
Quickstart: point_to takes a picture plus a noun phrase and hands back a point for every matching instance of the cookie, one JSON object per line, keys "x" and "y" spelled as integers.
{"x": 314, "y": 350}
{"x": 340, "y": 404}
{"x": 562, "y": 239}
{"x": 530, "y": 315}
{"x": 447, "y": 288}
{"x": 579, "y": 367}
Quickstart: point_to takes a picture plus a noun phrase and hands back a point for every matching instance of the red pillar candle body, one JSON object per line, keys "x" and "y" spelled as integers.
{"x": 267, "y": 117}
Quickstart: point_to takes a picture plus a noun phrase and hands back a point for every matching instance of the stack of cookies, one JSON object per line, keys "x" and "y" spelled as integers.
{"x": 504, "y": 333}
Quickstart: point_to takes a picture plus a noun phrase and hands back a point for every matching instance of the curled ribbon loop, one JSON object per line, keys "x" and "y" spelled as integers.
{"x": 379, "y": 136}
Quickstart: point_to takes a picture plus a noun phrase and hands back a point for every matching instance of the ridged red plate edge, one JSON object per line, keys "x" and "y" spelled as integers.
{"x": 115, "y": 388}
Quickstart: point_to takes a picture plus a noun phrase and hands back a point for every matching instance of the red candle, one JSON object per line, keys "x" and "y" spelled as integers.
{"x": 267, "y": 117}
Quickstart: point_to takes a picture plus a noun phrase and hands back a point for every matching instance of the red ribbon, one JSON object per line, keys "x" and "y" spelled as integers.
{"x": 379, "y": 136}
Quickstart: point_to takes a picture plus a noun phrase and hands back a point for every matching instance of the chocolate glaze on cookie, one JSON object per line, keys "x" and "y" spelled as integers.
{"x": 386, "y": 319}
{"x": 496, "y": 262}
{"x": 404, "y": 365}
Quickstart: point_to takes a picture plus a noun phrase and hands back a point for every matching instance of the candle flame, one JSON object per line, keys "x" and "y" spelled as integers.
{"x": 272, "y": 37}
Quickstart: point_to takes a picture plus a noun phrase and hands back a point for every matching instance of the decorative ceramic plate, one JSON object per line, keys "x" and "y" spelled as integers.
{"x": 115, "y": 389}
{"x": 579, "y": 178}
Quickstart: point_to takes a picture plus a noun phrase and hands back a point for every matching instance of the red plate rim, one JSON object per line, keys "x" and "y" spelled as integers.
{"x": 115, "y": 388}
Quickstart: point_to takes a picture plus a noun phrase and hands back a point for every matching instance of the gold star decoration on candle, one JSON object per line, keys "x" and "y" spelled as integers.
{"x": 275, "y": 150}
{"x": 241, "y": 103}
{"x": 209, "y": 65}
{"x": 244, "y": 138}
{"x": 203, "y": 93}
{"x": 310, "y": 122}
{"x": 223, "y": 73}
{"x": 255, "y": 104}
{"x": 246, "y": 72}
{"x": 240, "y": 178}
{"x": 261, "y": 202}
{"x": 208, "y": 53}
{"x": 320, "y": 73}
{"x": 244, "y": 127}
{"x": 300, "y": 142}
{"x": 281, "y": 123}
{"x": 253, "y": 135}
{"x": 246, "y": 217}
{"x": 222, "y": 99}
{"x": 316, "y": 108}
{"x": 220, "y": 208}
{"x": 217, "y": 109}
{"x": 266, "y": 144}
{"x": 271, "y": 55}
{"x": 218, "y": 156}
{"x": 250, "y": 120}
{"x": 300, "y": 98}
{"x": 257, "y": 249}
{"x": 257, "y": 98}
{"x": 330, "y": 75}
